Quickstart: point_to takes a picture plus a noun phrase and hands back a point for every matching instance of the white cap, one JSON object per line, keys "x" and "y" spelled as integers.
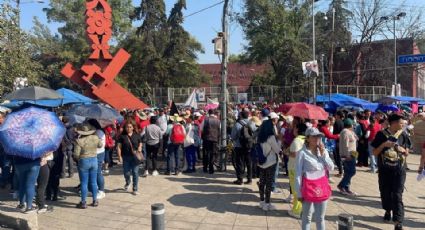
{"x": 197, "y": 114}
{"x": 273, "y": 115}
{"x": 313, "y": 132}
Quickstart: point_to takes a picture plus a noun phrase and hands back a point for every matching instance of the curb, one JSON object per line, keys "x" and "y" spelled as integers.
{"x": 15, "y": 220}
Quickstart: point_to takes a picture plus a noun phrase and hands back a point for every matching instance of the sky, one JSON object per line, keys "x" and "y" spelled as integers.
{"x": 203, "y": 25}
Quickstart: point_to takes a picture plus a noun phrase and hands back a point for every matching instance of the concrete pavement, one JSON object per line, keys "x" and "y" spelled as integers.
{"x": 204, "y": 201}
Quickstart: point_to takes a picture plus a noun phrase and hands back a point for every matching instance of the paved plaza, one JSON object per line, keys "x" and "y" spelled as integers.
{"x": 204, "y": 201}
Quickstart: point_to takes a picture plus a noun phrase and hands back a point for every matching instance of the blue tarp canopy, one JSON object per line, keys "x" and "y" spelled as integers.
{"x": 401, "y": 99}
{"x": 69, "y": 97}
{"x": 339, "y": 100}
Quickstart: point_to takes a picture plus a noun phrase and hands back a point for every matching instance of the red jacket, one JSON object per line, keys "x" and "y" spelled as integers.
{"x": 328, "y": 133}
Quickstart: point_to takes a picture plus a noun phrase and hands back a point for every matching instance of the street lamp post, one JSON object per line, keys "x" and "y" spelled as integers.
{"x": 394, "y": 18}
{"x": 314, "y": 52}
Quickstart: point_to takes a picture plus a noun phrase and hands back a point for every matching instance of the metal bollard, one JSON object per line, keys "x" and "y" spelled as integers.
{"x": 157, "y": 216}
{"x": 345, "y": 222}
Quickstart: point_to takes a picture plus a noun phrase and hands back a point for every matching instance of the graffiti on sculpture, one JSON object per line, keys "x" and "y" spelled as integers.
{"x": 98, "y": 73}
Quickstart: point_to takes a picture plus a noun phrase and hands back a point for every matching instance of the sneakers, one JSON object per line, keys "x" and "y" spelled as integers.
{"x": 292, "y": 214}
{"x": 248, "y": 182}
{"x": 95, "y": 203}
{"x": 176, "y": 173}
{"x": 350, "y": 193}
{"x": 155, "y": 173}
{"x": 288, "y": 199}
{"x": 342, "y": 190}
{"x": 398, "y": 226}
{"x": 100, "y": 195}
{"x": 387, "y": 216}
{"x": 31, "y": 210}
{"x": 276, "y": 191}
{"x": 146, "y": 173}
{"x": 238, "y": 182}
{"x": 81, "y": 205}
{"x": 269, "y": 207}
{"x": 44, "y": 209}
{"x": 126, "y": 187}
{"x": 135, "y": 193}
{"x": 21, "y": 207}
{"x": 261, "y": 204}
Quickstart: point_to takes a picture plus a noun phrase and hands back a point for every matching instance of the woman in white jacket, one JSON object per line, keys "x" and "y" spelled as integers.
{"x": 270, "y": 145}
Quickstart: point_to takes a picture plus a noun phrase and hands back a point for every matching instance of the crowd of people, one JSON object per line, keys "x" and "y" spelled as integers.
{"x": 261, "y": 143}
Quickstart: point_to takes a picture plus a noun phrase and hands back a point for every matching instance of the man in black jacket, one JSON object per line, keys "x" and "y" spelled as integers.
{"x": 210, "y": 129}
{"x": 338, "y": 127}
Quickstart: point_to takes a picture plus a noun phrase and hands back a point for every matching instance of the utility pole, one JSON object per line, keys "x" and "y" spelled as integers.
{"x": 224, "y": 61}
{"x": 322, "y": 60}
{"x": 331, "y": 67}
{"x": 314, "y": 53}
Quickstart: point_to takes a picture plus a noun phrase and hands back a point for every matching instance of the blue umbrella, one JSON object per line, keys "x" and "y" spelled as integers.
{"x": 104, "y": 115}
{"x": 31, "y": 132}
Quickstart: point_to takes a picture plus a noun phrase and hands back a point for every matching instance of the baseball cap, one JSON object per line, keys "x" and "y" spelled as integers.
{"x": 265, "y": 112}
{"x": 313, "y": 132}
{"x": 274, "y": 115}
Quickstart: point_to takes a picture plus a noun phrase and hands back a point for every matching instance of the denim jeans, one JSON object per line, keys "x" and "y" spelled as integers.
{"x": 27, "y": 176}
{"x": 131, "y": 168}
{"x": 372, "y": 158}
{"x": 349, "y": 172}
{"x": 87, "y": 170}
{"x": 191, "y": 156}
{"x": 319, "y": 210}
{"x": 173, "y": 154}
{"x": 100, "y": 179}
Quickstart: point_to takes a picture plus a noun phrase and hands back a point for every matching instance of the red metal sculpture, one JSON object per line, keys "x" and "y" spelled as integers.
{"x": 98, "y": 73}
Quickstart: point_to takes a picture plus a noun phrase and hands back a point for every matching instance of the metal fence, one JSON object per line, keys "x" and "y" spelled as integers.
{"x": 160, "y": 96}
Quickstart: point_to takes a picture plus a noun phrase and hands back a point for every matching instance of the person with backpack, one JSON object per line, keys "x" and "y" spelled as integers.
{"x": 176, "y": 140}
{"x": 243, "y": 139}
{"x": 266, "y": 152}
{"x": 391, "y": 146}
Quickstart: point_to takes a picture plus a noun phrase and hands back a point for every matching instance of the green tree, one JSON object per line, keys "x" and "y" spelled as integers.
{"x": 274, "y": 33}
{"x": 16, "y": 54}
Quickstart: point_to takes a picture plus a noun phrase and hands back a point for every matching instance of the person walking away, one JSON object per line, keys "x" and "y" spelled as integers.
{"x": 255, "y": 120}
{"x": 311, "y": 165}
{"x": 100, "y": 158}
{"x": 275, "y": 119}
{"x": 296, "y": 146}
{"x": 68, "y": 149}
{"x": 391, "y": 146}
{"x": 162, "y": 122}
{"x": 177, "y": 136}
{"x": 362, "y": 146}
{"x": 110, "y": 134}
{"x": 5, "y": 162}
{"x": 210, "y": 130}
{"x": 271, "y": 147}
{"x": 85, "y": 148}
{"x": 191, "y": 144}
{"x": 243, "y": 138}
{"x": 52, "y": 190}
{"x": 152, "y": 137}
{"x": 130, "y": 143}
{"x": 337, "y": 128}
{"x": 347, "y": 149}
{"x": 373, "y": 129}
{"x": 27, "y": 172}
{"x": 46, "y": 164}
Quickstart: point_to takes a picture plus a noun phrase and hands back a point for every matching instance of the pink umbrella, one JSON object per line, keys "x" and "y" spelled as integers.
{"x": 308, "y": 111}
{"x": 211, "y": 106}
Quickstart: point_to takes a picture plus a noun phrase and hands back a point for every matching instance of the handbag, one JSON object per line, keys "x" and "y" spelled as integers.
{"x": 138, "y": 156}
{"x": 316, "y": 190}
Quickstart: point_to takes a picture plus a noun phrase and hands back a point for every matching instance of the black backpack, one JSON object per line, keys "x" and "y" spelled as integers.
{"x": 246, "y": 136}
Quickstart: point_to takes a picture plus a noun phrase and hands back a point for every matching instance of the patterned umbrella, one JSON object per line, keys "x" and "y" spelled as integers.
{"x": 104, "y": 115}
{"x": 31, "y": 132}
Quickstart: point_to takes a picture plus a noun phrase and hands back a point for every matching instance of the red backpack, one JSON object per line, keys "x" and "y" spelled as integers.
{"x": 177, "y": 134}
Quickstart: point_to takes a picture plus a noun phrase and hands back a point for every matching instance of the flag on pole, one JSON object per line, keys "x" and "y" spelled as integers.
{"x": 191, "y": 101}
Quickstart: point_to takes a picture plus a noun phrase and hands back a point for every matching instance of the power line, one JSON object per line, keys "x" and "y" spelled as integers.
{"x": 204, "y": 9}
